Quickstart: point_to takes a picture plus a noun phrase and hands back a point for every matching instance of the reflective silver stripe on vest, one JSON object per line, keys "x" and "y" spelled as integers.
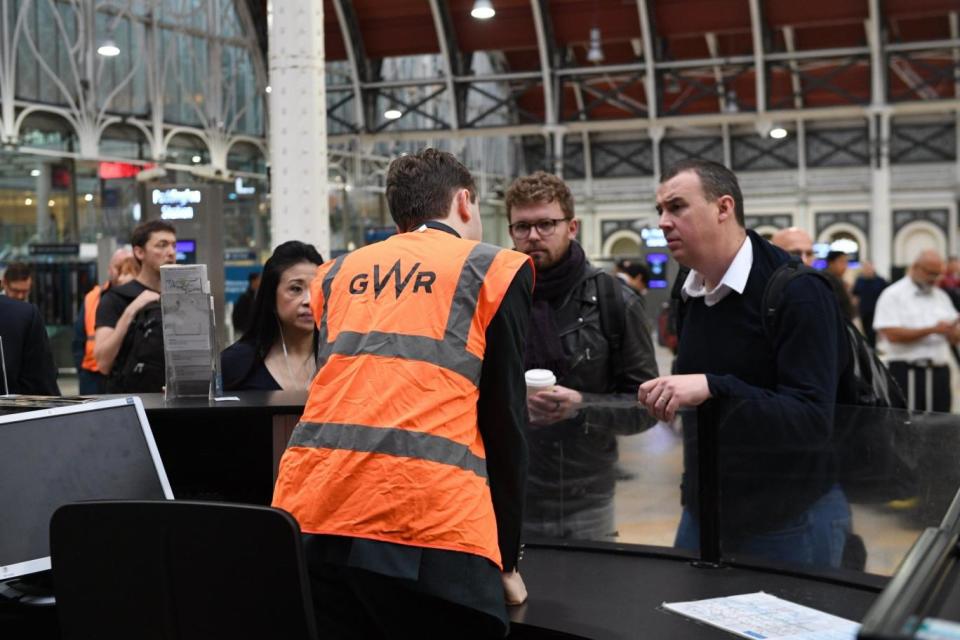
{"x": 390, "y": 441}
{"x": 450, "y": 352}
{"x": 397, "y": 345}
{"x": 323, "y": 329}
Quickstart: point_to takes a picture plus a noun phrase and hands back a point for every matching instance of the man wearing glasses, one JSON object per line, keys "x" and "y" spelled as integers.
{"x": 590, "y": 330}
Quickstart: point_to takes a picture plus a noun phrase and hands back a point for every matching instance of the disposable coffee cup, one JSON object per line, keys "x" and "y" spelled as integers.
{"x": 539, "y": 380}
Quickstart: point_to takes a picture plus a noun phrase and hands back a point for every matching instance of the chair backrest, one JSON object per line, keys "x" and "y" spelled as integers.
{"x": 179, "y": 570}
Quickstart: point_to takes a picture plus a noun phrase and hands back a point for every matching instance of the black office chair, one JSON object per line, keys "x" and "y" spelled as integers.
{"x": 179, "y": 570}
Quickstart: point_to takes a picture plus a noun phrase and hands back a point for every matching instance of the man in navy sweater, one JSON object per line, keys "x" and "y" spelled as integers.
{"x": 774, "y": 390}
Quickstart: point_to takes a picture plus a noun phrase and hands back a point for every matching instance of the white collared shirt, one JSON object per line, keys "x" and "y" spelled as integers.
{"x": 904, "y": 304}
{"x": 735, "y": 279}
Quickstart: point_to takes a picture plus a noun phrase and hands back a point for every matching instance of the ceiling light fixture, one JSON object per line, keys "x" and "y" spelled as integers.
{"x": 730, "y": 102}
{"x": 268, "y": 89}
{"x": 51, "y": 203}
{"x": 28, "y": 201}
{"x": 483, "y": 10}
{"x": 392, "y": 114}
{"x": 88, "y": 197}
{"x": 778, "y": 132}
{"x": 196, "y": 159}
{"x": 595, "y": 52}
{"x": 108, "y": 49}
{"x": 35, "y": 173}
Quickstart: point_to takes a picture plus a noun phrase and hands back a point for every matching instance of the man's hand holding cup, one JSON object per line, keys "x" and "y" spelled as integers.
{"x": 548, "y": 402}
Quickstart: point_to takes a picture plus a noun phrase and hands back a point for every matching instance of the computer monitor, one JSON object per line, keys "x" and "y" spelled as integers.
{"x": 48, "y": 458}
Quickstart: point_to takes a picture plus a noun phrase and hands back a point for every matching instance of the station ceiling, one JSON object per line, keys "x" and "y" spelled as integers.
{"x": 813, "y": 53}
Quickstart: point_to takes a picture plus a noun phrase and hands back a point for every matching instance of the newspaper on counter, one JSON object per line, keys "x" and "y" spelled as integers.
{"x": 761, "y": 616}
{"x": 189, "y": 338}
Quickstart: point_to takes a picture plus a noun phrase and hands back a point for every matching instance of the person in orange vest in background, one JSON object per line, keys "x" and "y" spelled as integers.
{"x": 407, "y": 470}
{"x": 122, "y": 268}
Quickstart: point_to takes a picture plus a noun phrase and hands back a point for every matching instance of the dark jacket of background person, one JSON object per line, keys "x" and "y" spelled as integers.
{"x": 868, "y": 291}
{"x": 244, "y": 370}
{"x": 26, "y": 350}
{"x": 842, "y": 295}
{"x": 243, "y": 311}
{"x": 774, "y": 399}
{"x": 572, "y": 462}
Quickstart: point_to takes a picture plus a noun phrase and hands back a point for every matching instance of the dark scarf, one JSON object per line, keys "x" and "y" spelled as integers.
{"x": 544, "y": 348}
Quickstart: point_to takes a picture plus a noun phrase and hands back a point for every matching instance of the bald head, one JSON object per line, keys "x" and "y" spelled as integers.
{"x": 796, "y": 242}
{"x": 113, "y": 269}
{"x": 927, "y": 269}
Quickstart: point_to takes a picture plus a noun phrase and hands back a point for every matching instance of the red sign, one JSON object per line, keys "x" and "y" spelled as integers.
{"x": 114, "y": 170}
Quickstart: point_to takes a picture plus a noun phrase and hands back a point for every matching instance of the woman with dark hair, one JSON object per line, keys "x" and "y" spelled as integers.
{"x": 279, "y": 350}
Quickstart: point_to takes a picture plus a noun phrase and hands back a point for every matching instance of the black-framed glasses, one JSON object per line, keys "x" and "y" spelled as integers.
{"x": 544, "y": 227}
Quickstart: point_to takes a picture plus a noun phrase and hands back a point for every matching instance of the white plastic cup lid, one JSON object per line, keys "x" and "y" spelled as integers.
{"x": 540, "y": 377}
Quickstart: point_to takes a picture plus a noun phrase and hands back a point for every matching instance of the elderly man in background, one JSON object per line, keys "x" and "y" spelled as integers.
{"x": 796, "y": 242}
{"x": 916, "y": 323}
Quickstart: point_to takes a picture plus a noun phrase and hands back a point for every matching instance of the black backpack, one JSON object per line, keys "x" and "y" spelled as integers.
{"x": 873, "y": 442}
{"x": 141, "y": 366}
{"x": 872, "y": 439}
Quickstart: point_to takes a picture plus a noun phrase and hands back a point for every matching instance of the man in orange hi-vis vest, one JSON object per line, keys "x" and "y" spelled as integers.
{"x": 407, "y": 470}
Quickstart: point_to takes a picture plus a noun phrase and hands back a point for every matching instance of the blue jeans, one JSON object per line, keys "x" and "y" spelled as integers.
{"x": 592, "y": 523}
{"x": 816, "y": 537}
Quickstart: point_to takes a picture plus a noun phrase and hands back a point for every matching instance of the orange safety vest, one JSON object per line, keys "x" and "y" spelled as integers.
{"x": 90, "y": 303}
{"x": 388, "y": 447}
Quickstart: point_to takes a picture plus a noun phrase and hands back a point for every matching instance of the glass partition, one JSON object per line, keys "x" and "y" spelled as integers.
{"x": 793, "y": 485}
{"x": 611, "y": 473}
{"x": 839, "y": 487}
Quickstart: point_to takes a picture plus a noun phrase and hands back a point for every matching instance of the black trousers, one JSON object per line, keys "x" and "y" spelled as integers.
{"x": 923, "y": 383}
{"x": 355, "y": 603}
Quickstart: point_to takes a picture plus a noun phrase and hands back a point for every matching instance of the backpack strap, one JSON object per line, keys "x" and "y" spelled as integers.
{"x": 775, "y": 287}
{"x": 612, "y": 319}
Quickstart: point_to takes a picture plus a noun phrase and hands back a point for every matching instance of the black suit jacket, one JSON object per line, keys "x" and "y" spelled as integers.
{"x": 26, "y": 350}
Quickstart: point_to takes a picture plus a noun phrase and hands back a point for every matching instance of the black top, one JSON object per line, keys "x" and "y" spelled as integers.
{"x": 774, "y": 399}
{"x": 843, "y": 296}
{"x": 115, "y": 300}
{"x": 464, "y": 578}
{"x": 244, "y": 370}
{"x": 242, "y": 314}
{"x": 28, "y": 362}
{"x": 868, "y": 291}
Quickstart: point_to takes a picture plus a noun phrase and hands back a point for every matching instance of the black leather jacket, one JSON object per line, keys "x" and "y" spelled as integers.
{"x": 572, "y": 462}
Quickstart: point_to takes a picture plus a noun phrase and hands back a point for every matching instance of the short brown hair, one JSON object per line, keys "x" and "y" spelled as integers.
{"x": 17, "y": 271}
{"x": 540, "y": 188}
{"x": 141, "y": 234}
{"x": 420, "y": 186}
